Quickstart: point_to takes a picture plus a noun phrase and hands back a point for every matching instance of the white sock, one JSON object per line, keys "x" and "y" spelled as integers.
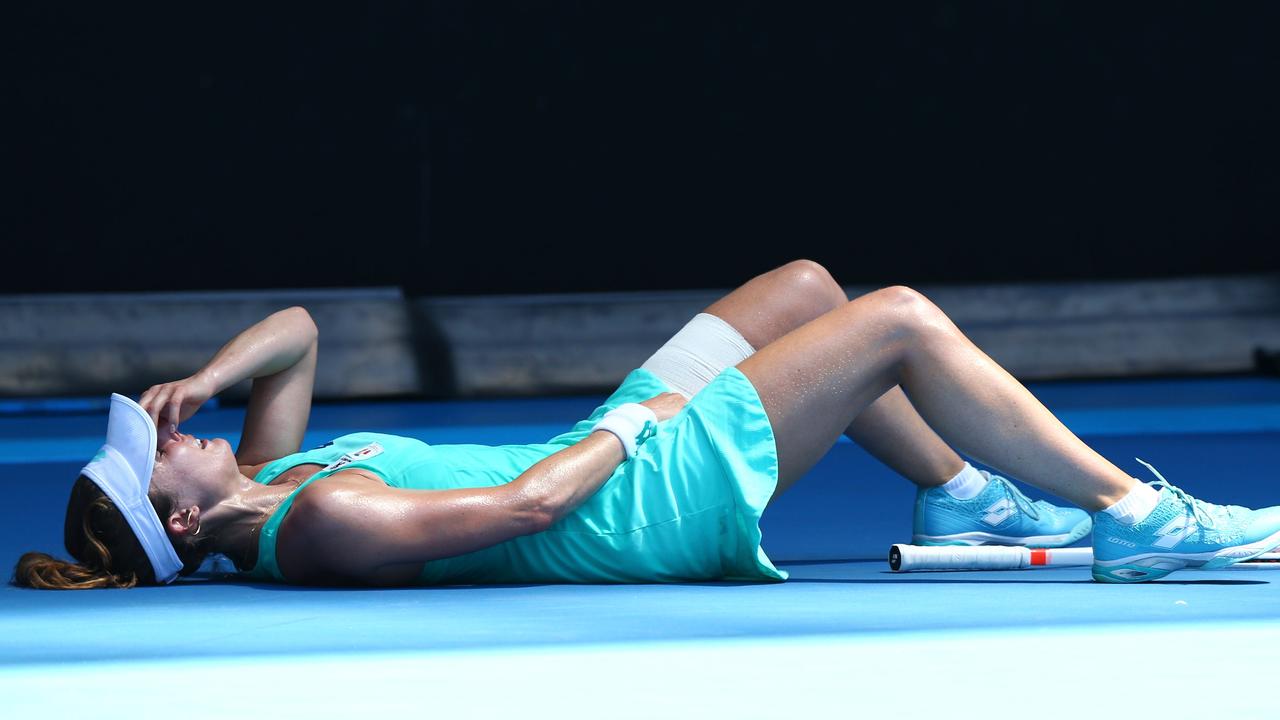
{"x": 1136, "y": 506}
{"x": 966, "y": 484}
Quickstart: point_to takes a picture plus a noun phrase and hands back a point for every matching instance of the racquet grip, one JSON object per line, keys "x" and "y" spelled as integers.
{"x": 905, "y": 558}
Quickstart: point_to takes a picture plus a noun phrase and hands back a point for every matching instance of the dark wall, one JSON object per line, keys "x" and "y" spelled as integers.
{"x": 478, "y": 148}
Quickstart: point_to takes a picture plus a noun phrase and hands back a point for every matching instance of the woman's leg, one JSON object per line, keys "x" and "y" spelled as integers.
{"x": 773, "y": 304}
{"x": 815, "y": 380}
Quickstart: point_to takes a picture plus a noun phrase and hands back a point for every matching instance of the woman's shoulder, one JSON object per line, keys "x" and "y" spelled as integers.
{"x": 345, "y": 485}
{"x": 314, "y": 531}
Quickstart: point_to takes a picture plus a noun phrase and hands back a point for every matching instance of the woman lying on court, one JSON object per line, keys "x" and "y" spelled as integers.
{"x": 664, "y": 482}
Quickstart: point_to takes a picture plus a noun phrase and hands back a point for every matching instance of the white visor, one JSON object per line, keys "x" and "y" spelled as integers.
{"x": 122, "y": 468}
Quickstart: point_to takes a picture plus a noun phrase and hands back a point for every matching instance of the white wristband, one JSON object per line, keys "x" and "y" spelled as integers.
{"x": 632, "y": 424}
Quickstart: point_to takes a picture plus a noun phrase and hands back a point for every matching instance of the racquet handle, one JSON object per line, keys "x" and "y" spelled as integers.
{"x": 905, "y": 558}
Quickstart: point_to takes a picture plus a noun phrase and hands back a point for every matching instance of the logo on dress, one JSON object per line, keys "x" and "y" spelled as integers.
{"x": 364, "y": 453}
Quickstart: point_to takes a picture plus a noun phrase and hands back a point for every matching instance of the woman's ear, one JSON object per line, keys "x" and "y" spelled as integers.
{"x": 185, "y": 522}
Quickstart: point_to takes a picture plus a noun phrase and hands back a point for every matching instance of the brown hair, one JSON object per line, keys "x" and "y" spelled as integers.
{"x": 98, "y": 536}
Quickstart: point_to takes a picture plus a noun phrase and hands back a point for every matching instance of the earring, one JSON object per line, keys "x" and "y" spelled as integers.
{"x": 198, "y": 525}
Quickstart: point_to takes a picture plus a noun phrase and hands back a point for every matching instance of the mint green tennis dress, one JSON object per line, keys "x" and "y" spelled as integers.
{"x": 686, "y": 508}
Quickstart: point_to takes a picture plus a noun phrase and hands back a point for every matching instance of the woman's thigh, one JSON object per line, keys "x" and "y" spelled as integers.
{"x": 814, "y": 380}
{"x": 730, "y": 330}
{"x": 694, "y": 356}
{"x": 774, "y": 303}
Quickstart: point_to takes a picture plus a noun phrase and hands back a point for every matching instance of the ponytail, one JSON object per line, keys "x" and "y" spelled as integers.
{"x": 100, "y": 539}
{"x": 45, "y": 572}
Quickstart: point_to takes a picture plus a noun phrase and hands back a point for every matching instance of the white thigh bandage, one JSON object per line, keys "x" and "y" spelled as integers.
{"x": 693, "y": 357}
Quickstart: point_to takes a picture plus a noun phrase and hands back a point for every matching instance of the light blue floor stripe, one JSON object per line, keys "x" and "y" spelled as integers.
{"x": 77, "y": 449}
{"x": 1174, "y": 420}
{"x": 1061, "y": 673}
{"x": 1199, "y": 419}
{"x": 69, "y": 405}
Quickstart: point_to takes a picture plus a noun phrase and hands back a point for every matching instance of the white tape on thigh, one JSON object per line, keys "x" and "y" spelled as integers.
{"x": 693, "y": 357}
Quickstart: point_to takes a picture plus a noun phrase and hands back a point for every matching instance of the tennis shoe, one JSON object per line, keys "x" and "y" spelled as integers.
{"x": 1181, "y": 532}
{"x": 999, "y": 515}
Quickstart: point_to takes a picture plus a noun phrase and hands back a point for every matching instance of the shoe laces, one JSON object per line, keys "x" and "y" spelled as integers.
{"x": 1021, "y": 500}
{"x": 1200, "y": 510}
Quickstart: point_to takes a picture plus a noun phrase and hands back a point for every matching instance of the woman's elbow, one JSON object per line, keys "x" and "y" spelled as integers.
{"x": 305, "y": 323}
{"x": 532, "y": 512}
{"x": 536, "y": 520}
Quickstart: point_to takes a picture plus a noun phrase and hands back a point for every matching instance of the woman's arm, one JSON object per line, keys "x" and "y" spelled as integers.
{"x": 279, "y": 353}
{"x": 275, "y": 344}
{"x": 270, "y": 346}
{"x": 360, "y": 534}
{"x": 562, "y": 481}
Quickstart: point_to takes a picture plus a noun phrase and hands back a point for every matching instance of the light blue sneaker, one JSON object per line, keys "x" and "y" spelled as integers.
{"x": 999, "y": 515}
{"x": 1180, "y": 532}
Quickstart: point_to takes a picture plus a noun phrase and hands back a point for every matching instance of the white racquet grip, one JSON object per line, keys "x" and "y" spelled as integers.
{"x": 905, "y": 558}
{"x": 632, "y": 424}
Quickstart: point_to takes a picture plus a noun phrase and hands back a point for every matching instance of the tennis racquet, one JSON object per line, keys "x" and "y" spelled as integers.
{"x": 909, "y": 558}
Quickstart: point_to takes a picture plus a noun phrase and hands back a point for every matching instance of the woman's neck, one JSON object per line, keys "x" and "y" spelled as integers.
{"x": 238, "y": 519}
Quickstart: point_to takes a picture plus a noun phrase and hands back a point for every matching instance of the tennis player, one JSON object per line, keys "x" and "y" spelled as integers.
{"x": 666, "y": 481}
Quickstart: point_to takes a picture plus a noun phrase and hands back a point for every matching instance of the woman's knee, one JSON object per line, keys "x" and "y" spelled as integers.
{"x": 810, "y": 282}
{"x": 909, "y": 310}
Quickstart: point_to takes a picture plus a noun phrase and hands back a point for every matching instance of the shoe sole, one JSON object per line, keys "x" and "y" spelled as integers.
{"x": 1145, "y": 567}
{"x": 983, "y": 538}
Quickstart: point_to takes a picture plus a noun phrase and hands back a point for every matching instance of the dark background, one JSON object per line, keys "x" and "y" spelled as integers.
{"x": 456, "y": 148}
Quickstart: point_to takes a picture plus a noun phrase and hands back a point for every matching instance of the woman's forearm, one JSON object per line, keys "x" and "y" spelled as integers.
{"x": 275, "y": 343}
{"x": 559, "y": 483}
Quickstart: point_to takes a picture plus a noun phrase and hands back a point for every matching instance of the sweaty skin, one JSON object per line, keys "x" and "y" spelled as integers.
{"x": 888, "y": 369}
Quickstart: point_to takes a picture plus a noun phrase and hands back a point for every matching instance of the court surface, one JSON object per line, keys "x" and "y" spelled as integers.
{"x": 843, "y": 637}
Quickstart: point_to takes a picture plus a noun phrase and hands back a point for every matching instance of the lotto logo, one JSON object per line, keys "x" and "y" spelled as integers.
{"x": 1175, "y": 531}
{"x": 999, "y": 512}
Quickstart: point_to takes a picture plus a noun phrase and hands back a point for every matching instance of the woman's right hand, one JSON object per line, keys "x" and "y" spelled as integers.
{"x": 173, "y": 403}
{"x": 666, "y": 405}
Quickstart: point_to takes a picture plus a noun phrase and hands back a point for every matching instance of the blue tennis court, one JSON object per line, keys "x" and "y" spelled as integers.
{"x": 843, "y": 634}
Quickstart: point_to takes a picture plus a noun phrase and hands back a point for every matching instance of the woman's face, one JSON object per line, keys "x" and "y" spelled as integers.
{"x": 192, "y": 470}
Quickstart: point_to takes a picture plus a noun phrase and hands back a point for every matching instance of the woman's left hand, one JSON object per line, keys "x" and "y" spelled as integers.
{"x": 173, "y": 403}
{"x": 666, "y": 405}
